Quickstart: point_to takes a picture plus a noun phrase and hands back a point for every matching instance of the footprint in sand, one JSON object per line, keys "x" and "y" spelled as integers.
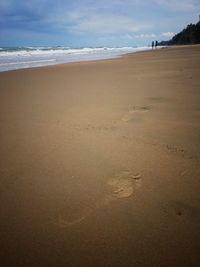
{"x": 135, "y": 114}
{"x": 122, "y": 185}
{"x": 182, "y": 209}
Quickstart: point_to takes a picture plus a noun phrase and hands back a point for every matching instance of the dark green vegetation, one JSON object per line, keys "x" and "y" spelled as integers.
{"x": 189, "y": 35}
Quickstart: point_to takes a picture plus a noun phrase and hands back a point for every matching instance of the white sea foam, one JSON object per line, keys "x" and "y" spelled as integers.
{"x": 27, "y": 62}
{"x": 25, "y": 57}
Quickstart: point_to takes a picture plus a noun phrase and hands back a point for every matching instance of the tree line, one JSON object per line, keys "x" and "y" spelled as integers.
{"x": 189, "y": 35}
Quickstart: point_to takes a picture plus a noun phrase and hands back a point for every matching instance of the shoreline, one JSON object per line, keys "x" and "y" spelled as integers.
{"x": 99, "y": 162}
{"x": 104, "y": 59}
{"x": 38, "y": 58}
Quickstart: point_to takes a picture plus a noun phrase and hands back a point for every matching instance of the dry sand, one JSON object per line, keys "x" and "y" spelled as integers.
{"x": 99, "y": 162}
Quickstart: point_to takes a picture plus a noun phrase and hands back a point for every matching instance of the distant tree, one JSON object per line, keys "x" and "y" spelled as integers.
{"x": 189, "y": 35}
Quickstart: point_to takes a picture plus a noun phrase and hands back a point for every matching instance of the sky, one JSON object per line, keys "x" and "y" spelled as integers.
{"x": 81, "y": 23}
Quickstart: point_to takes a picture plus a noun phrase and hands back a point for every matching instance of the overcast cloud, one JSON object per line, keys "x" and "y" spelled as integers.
{"x": 87, "y": 22}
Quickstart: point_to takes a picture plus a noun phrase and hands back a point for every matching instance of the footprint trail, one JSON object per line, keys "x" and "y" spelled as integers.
{"x": 122, "y": 185}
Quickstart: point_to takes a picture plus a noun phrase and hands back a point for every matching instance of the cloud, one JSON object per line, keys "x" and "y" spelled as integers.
{"x": 180, "y": 6}
{"x": 76, "y": 17}
{"x": 106, "y": 23}
{"x": 146, "y": 36}
{"x": 167, "y": 34}
{"x": 88, "y": 20}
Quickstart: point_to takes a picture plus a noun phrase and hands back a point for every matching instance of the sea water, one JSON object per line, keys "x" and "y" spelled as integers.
{"x": 12, "y": 58}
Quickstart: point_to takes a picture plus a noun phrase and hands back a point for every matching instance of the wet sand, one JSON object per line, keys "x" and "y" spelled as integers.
{"x": 100, "y": 162}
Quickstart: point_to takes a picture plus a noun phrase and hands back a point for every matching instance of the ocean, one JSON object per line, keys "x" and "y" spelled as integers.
{"x": 12, "y": 58}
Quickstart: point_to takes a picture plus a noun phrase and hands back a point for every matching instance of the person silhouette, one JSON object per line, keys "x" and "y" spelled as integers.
{"x": 156, "y": 44}
{"x": 152, "y": 45}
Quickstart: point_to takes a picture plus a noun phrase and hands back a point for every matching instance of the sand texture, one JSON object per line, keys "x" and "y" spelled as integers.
{"x": 100, "y": 162}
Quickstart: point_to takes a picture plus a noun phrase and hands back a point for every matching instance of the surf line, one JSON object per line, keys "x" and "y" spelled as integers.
{"x": 25, "y": 62}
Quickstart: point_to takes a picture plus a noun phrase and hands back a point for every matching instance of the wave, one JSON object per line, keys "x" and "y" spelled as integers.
{"x": 27, "y": 62}
{"x": 29, "y": 51}
{"x": 25, "y": 57}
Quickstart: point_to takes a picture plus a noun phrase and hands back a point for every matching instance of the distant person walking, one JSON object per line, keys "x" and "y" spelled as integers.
{"x": 152, "y": 45}
{"x": 156, "y": 44}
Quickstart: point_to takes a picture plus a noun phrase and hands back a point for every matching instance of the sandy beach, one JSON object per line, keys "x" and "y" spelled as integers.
{"x": 100, "y": 162}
